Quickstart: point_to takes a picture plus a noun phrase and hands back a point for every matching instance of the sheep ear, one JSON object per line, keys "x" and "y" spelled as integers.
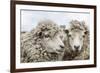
{"x": 66, "y": 31}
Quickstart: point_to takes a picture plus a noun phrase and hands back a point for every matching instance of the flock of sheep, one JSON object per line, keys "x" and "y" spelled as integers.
{"x": 51, "y": 42}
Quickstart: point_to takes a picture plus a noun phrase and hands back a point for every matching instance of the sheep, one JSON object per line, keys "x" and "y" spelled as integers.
{"x": 77, "y": 44}
{"x": 44, "y": 43}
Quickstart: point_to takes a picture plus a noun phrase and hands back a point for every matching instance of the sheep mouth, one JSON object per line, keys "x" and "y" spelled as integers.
{"x": 76, "y": 52}
{"x": 56, "y": 52}
{"x": 59, "y": 51}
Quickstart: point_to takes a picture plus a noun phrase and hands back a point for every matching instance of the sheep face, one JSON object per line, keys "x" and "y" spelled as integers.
{"x": 76, "y": 39}
{"x": 51, "y": 35}
{"x": 53, "y": 43}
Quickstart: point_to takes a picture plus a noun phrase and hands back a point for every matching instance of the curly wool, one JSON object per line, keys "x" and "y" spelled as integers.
{"x": 85, "y": 53}
{"x": 32, "y": 49}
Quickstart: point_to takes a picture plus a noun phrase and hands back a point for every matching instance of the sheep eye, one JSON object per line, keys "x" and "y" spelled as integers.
{"x": 69, "y": 35}
{"x": 83, "y": 36}
{"x": 46, "y": 36}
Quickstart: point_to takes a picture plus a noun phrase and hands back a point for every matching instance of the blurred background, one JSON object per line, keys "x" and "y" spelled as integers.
{"x": 30, "y": 18}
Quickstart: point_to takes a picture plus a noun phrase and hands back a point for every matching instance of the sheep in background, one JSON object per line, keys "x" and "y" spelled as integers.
{"x": 77, "y": 45}
{"x": 44, "y": 43}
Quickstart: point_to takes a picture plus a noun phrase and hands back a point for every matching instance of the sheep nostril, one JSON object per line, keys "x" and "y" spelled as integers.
{"x": 61, "y": 46}
{"x": 76, "y": 47}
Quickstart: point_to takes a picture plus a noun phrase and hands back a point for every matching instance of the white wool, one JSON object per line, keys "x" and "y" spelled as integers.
{"x": 32, "y": 45}
{"x": 84, "y": 54}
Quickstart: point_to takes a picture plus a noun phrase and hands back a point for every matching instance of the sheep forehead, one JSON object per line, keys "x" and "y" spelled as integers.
{"x": 49, "y": 31}
{"x": 52, "y": 34}
{"x": 76, "y": 27}
{"x": 76, "y": 32}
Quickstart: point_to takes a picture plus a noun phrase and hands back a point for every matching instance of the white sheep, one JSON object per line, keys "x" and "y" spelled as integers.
{"x": 77, "y": 44}
{"x": 43, "y": 43}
